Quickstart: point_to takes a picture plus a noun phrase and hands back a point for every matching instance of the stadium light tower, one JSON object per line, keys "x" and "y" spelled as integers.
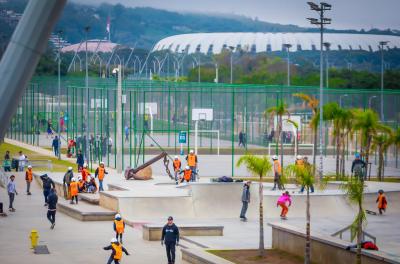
{"x": 87, "y": 28}
{"x": 321, "y": 22}
{"x": 287, "y": 48}
{"x": 59, "y": 33}
{"x": 231, "y": 48}
{"x": 327, "y": 46}
{"x": 382, "y": 45}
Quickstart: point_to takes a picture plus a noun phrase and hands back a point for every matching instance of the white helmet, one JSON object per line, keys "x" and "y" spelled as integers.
{"x": 70, "y": 168}
{"x": 79, "y": 178}
{"x": 274, "y": 157}
{"x": 187, "y": 167}
{"x": 84, "y": 165}
{"x": 299, "y": 157}
{"x": 73, "y": 179}
{"x": 191, "y": 151}
{"x": 117, "y": 216}
{"x": 176, "y": 157}
{"x": 29, "y": 167}
{"x": 101, "y": 163}
{"x": 114, "y": 240}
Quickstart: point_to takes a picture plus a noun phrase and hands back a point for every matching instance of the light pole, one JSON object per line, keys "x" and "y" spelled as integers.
{"x": 370, "y": 101}
{"x": 321, "y": 22}
{"x": 340, "y": 99}
{"x": 231, "y": 49}
{"x": 382, "y": 45}
{"x": 287, "y": 48}
{"x": 59, "y": 93}
{"x": 87, "y": 28}
{"x": 327, "y": 46}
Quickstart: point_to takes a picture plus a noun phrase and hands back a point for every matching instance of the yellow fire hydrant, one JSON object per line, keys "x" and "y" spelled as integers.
{"x": 34, "y": 238}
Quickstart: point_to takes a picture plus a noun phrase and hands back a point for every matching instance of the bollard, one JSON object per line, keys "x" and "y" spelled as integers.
{"x": 34, "y": 238}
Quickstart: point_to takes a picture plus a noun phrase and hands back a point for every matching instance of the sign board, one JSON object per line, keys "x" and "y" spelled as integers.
{"x": 149, "y": 108}
{"x": 202, "y": 114}
{"x": 182, "y": 137}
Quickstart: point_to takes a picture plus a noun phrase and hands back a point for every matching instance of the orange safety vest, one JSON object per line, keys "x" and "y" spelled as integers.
{"x": 382, "y": 201}
{"x": 191, "y": 160}
{"x": 119, "y": 226}
{"x": 177, "y": 165}
{"x": 85, "y": 173}
{"x": 29, "y": 175}
{"x": 118, "y": 251}
{"x": 101, "y": 173}
{"x": 74, "y": 188}
{"x": 277, "y": 166}
{"x": 80, "y": 184}
{"x": 187, "y": 174}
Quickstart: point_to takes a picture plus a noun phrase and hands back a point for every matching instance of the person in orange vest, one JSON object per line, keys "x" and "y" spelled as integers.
{"x": 81, "y": 185}
{"x": 277, "y": 173}
{"x": 100, "y": 172}
{"x": 177, "y": 168}
{"x": 192, "y": 163}
{"x": 119, "y": 227}
{"x": 74, "y": 186}
{"x": 187, "y": 174}
{"x": 117, "y": 250}
{"x": 382, "y": 202}
{"x": 85, "y": 172}
{"x": 28, "y": 179}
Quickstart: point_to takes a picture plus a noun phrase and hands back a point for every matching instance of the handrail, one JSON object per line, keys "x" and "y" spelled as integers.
{"x": 364, "y": 234}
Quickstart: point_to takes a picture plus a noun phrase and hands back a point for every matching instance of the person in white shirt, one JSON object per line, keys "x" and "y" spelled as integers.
{"x": 21, "y": 161}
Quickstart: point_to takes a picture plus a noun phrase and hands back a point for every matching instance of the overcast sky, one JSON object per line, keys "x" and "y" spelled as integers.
{"x": 346, "y": 14}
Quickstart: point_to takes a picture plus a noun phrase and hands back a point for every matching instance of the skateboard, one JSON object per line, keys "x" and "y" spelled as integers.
{"x": 371, "y": 212}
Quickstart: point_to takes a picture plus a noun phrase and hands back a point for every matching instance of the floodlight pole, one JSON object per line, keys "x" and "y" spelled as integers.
{"x": 288, "y": 46}
{"x": 59, "y": 93}
{"x": 382, "y": 45}
{"x": 87, "y": 28}
{"x": 327, "y": 46}
{"x": 321, "y": 8}
{"x": 231, "y": 49}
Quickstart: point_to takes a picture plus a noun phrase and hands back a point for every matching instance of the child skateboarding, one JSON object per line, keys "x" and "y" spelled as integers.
{"x": 284, "y": 201}
{"x": 382, "y": 202}
{"x": 117, "y": 250}
{"x": 119, "y": 227}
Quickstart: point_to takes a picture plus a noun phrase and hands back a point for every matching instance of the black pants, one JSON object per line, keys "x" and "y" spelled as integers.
{"x": 120, "y": 237}
{"x": 170, "y": 247}
{"x": 46, "y": 193}
{"x": 51, "y": 215}
{"x": 74, "y": 197}
{"x": 11, "y": 196}
{"x": 111, "y": 259}
{"x": 244, "y": 209}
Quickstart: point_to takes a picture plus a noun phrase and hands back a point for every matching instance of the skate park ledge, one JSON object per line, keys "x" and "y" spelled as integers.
{"x": 152, "y": 232}
{"x": 324, "y": 248}
{"x": 199, "y": 256}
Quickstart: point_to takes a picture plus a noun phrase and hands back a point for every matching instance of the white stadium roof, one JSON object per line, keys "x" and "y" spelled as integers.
{"x": 264, "y": 42}
{"x": 94, "y": 45}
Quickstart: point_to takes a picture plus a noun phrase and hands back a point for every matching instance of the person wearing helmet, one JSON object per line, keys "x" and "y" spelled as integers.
{"x": 358, "y": 166}
{"x": 299, "y": 162}
{"x": 382, "y": 202}
{"x": 187, "y": 174}
{"x": 170, "y": 237}
{"x": 73, "y": 190}
{"x": 119, "y": 227}
{"x": 192, "y": 162}
{"x": 100, "y": 172}
{"x": 67, "y": 181}
{"x": 177, "y": 168}
{"x": 307, "y": 165}
{"x": 82, "y": 186}
{"x": 85, "y": 172}
{"x": 277, "y": 173}
{"x": 28, "y": 179}
{"x": 117, "y": 250}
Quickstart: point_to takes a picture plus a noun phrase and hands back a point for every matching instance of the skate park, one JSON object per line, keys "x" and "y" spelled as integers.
{"x": 139, "y": 127}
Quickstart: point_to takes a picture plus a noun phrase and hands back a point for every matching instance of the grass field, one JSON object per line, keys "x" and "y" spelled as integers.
{"x": 58, "y": 165}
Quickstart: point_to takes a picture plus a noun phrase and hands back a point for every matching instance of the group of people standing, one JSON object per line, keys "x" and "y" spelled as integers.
{"x": 190, "y": 172}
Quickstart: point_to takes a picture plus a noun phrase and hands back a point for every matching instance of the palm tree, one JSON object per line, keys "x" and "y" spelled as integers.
{"x": 354, "y": 190}
{"x": 333, "y": 112}
{"x": 346, "y": 125}
{"x": 311, "y": 103}
{"x": 367, "y": 122}
{"x": 280, "y": 110}
{"x": 305, "y": 176}
{"x": 259, "y": 166}
{"x": 382, "y": 142}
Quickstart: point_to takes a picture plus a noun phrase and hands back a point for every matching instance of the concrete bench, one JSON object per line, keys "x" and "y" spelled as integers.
{"x": 198, "y": 256}
{"x": 152, "y": 232}
{"x": 324, "y": 248}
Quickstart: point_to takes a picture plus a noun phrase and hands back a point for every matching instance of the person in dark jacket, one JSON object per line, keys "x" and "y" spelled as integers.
{"x": 52, "y": 200}
{"x": 358, "y": 166}
{"x": 170, "y": 236}
{"x": 245, "y": 200}
{"x": 55, "y": 145}
{"x": 67, "y": 181}
{"x": 79, "y": 160}
{"x": 117, "y": 250}
{"x": 47, "y": 185}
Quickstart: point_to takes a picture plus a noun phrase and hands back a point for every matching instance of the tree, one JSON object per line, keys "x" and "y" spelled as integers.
{"x": 280, "y": 110}
{"x": 367, "y": 122}
{"x": 305, "y": 176}
{"x": 382, "y": 142}
{"x": 259, "y": 166}
{"x": 333, "y": 112}
{"x": 354, "y": 190}
{"x": 311, "y": 103}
